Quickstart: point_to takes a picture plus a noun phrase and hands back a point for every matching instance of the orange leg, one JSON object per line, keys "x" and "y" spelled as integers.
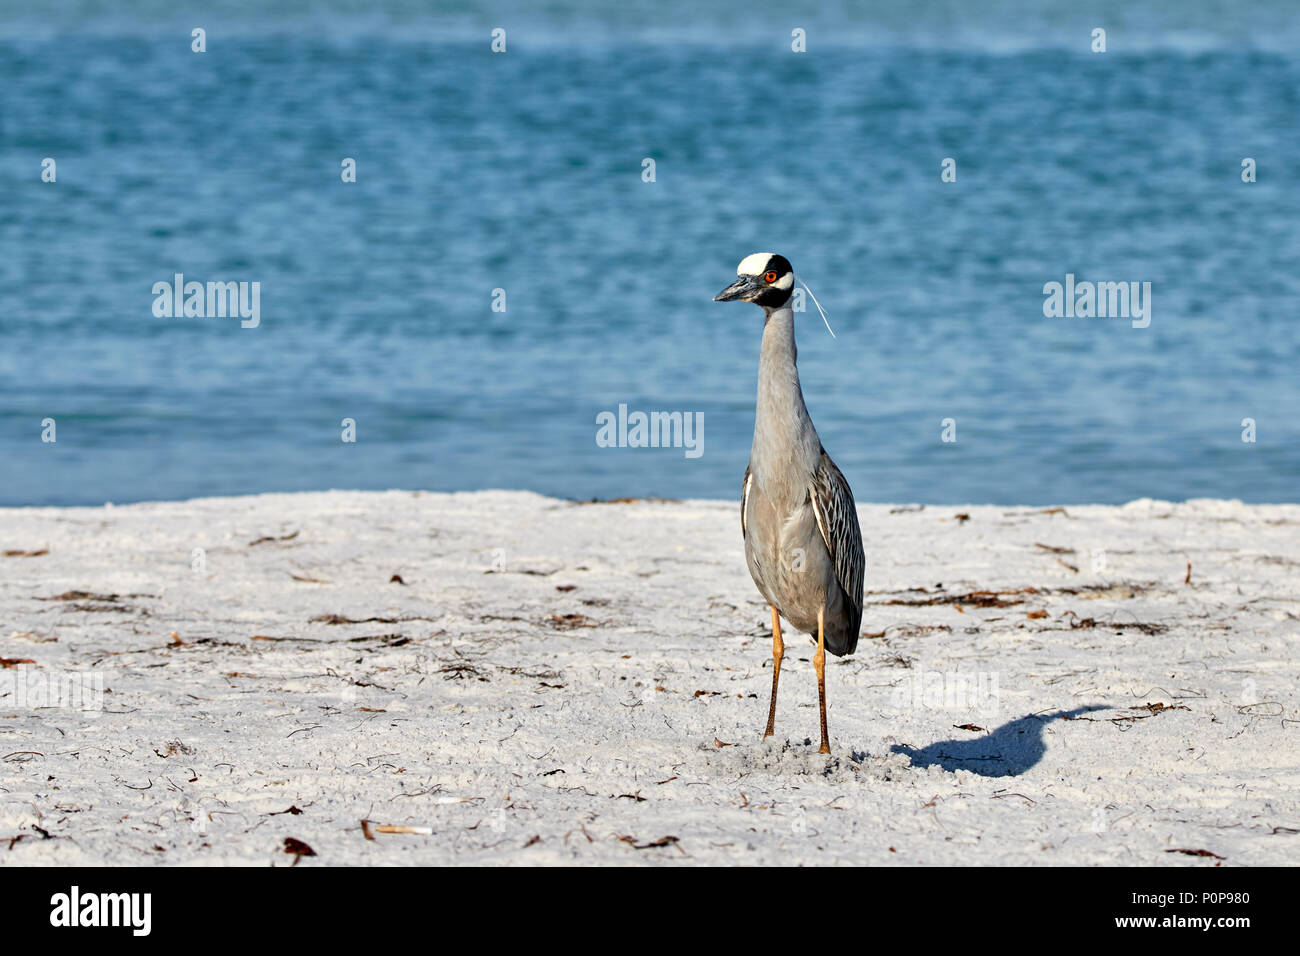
{"x": 778, "y": 651}
{"x": 819, "y": 662}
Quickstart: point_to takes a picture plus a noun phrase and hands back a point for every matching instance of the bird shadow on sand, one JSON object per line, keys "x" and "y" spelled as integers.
{"x": 1008, "y": 751}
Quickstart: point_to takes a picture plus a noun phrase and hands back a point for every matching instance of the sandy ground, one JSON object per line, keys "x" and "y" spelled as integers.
{"x": 551, "y": 682}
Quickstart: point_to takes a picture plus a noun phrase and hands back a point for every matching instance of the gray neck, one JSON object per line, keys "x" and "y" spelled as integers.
{"x": 783, "y": 432}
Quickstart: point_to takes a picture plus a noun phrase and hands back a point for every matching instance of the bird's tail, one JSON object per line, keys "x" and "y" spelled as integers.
{"x": 844, "y": 640}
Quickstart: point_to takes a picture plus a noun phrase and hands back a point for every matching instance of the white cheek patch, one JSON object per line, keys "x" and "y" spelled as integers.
{"x": 785, "y": 282}
{"x": 753, "y": 265}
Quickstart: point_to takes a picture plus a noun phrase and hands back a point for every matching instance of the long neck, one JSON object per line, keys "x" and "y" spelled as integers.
{"x": 783, "y": 432}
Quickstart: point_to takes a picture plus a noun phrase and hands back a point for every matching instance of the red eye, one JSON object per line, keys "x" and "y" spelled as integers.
{"x": 770, "y": 277}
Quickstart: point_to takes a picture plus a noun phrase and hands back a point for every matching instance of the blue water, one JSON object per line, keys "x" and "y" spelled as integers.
{"x": 522, "y": 171}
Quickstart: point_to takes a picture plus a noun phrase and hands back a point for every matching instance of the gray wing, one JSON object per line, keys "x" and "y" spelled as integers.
{"x": 837, "y": 520}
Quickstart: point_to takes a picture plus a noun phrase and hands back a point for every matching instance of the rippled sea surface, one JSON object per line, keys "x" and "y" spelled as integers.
{"x": 522, "y": 171}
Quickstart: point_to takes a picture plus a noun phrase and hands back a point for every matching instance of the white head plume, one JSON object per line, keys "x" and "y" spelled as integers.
{"x": 819, "y": 307}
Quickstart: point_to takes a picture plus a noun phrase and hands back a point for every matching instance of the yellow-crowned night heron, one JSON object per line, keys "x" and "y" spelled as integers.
{"x": 797, "y": 515}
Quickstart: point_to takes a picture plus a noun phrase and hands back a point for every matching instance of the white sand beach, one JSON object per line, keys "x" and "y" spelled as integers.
{"x": 560, "y": 683}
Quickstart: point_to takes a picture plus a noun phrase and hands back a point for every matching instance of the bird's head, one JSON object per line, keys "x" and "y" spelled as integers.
{"x": 764, "y": 278}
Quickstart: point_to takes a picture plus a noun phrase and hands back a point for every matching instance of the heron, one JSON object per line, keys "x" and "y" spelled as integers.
{"x": 797, "y": 516}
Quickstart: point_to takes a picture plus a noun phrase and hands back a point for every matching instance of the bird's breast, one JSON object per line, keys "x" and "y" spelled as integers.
{"x": 786, "y": 555}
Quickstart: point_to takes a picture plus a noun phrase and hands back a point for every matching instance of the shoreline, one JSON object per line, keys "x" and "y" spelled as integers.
{"x": 1198, "y": 501}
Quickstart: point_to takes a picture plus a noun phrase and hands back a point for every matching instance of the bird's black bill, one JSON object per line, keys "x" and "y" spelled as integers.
{"x": 737, "y": 290}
